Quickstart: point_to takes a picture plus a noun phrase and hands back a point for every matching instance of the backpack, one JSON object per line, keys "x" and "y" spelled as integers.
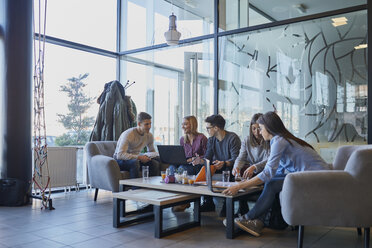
{"x": 273, "y": 218}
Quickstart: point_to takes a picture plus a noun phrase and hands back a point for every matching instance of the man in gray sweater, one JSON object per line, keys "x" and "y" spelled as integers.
{"x": 130, "y": 144}
{"x": 222, "y": 150}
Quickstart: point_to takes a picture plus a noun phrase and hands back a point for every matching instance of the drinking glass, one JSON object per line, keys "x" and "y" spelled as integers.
{"x": 225, "y": 176}
{"x": 163, "y": 174}
{"x": 145, "y": 172}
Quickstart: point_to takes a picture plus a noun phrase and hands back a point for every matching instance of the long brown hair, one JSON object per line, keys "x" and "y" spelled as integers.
{"x": 252, "y": 139}
{"x": 275, "y": 126}
{"x": 194, "y": 127}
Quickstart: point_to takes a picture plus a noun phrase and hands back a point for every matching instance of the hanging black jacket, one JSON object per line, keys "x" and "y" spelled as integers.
{"x": 117, "y": 112}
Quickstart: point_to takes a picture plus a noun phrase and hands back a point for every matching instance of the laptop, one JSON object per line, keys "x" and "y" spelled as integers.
{"x": 172, "y": 154}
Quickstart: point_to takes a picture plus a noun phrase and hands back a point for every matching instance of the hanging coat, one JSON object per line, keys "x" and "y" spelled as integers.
{"x": 117, "y": 112}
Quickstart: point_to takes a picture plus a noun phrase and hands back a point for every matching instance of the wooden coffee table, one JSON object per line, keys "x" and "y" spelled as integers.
{"x": 156, "y": 184}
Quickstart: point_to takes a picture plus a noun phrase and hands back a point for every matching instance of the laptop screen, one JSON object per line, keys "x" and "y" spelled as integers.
{"x": 172, "y": 154}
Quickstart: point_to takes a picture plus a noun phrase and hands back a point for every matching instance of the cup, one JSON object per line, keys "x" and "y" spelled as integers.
{"x": 163, "y": 175}
{"x": 225, "y": 176}
{"x": 191, "y": 180}
{"x": 145, "y": 172}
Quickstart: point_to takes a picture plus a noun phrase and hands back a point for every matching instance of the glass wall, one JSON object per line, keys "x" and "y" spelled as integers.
{"x": 314, "y": 74}
{"x": 61, "y": 65}
{"x": 172, "y": 83}
{"x": 235, "y": 14}
{"x": 89, "y": 22}
{"x": 145, "y": 21}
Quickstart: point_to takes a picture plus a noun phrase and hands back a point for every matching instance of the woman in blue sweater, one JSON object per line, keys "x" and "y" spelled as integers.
{"x": 287, "y": 154}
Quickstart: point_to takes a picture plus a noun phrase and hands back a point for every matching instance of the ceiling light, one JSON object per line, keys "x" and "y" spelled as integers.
{"x": 336, "y": 24}
{"x": 361, "y": 46}
{"x": 172, "y": 36}
{"x": 339, "y": 19}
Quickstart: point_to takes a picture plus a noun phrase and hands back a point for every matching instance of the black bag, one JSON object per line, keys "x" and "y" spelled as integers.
{"x": 274, "y": 218}
{"x": 13, "y": 192}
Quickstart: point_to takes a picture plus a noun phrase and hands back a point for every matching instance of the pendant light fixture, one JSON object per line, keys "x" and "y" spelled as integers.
{"x": 172, "y": 36}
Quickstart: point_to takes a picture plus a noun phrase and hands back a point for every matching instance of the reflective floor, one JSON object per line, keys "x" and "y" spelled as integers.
{"x": 78, "y": 221}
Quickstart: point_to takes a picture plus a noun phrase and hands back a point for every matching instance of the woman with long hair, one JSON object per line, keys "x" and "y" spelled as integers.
{"x": 194, "y": 143}
{"x": 252, "y": 157}
{"x": 254, "y": 151}
{"x": 287, "y": 153}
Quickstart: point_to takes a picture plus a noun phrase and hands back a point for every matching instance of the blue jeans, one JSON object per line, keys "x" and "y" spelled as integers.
{"x": 191, "y": 169}
{"x": 134, "y": 165}
{"x": 267, "y": 197}
{"x": 130, "y": 165}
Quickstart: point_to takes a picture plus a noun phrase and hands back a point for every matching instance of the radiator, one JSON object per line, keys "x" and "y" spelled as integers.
{"x": 62, "y": 166}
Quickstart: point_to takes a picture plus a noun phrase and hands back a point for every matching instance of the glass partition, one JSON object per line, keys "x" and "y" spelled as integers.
{"x": 235, "y": 14}
{"x": 172, "y": 83}
{"x": 314, "y": 74}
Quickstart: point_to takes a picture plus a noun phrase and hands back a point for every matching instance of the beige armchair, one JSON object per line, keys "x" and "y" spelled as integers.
{"x": 341, "y": 197}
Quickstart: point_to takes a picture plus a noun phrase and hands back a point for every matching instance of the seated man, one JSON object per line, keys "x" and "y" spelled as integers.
{"x": 130, "y": 144}
{"x": 222, "y": 150}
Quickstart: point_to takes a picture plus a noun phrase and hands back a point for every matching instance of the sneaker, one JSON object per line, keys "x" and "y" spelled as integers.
{"x": 145, "y": 208}
{"x": 253, "y": 227}
{"x": 224, "y": 223}
{"x": 180, "y": 208}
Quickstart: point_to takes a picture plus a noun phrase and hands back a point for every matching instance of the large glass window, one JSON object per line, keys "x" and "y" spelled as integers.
{"x": 145, "y": 21}
{"x": 235, "y": 14}
{"x": 314, "y": 74}
{"x": 90, "y": 22}
{"x": 62, "y": 64}
{"x": 172, "y": 83}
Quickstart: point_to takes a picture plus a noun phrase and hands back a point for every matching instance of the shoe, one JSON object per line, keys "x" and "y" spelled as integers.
{"x": 207, "y": 206}
{"x": 224, "y": 223}
{"x": 145, "y": 208}
{"x": 253, "y": 227}
{"x": 180, "y": 208}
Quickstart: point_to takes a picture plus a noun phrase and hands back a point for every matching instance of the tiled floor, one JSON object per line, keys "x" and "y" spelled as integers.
{"x": 78, "y": 221}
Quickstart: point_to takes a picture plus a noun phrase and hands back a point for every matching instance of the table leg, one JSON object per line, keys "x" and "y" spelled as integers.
{"x": 158, "y": 212}
{"x": 229, "y": 218}
{"x": 197, "y": 210}
{"x": 116, "y": 212}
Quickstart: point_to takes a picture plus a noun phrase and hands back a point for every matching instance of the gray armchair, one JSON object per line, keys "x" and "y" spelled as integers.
{"x": 341, "y": 197}
{"x": 103, "y": 170}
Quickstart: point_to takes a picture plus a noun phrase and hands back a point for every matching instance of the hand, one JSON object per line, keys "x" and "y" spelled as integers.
{"x": 197, "y": 160}
{"x": 236, "y": 171}
{"x": 218, "y": 164}
{"x": 144, "y": 159}
{"x": 189, "y": 160}
{"x": 233, "y": 190}
{"x": 248, "y": 173}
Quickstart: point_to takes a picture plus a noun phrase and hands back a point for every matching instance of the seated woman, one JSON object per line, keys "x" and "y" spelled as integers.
{"x": 288, "y": 153}
{"x": 195, "y": 145}
{"x": 252, "y": 156}
{"x": 254, "y": 151}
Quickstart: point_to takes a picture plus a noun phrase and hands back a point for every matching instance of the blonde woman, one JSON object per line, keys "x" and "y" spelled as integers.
{"x": 194, "y": 143}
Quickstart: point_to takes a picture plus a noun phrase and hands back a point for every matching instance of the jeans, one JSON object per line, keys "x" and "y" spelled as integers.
{"x": 191, "y": 169}
{"x": 267, "y": 197}
{"x": 134, "y": 165}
